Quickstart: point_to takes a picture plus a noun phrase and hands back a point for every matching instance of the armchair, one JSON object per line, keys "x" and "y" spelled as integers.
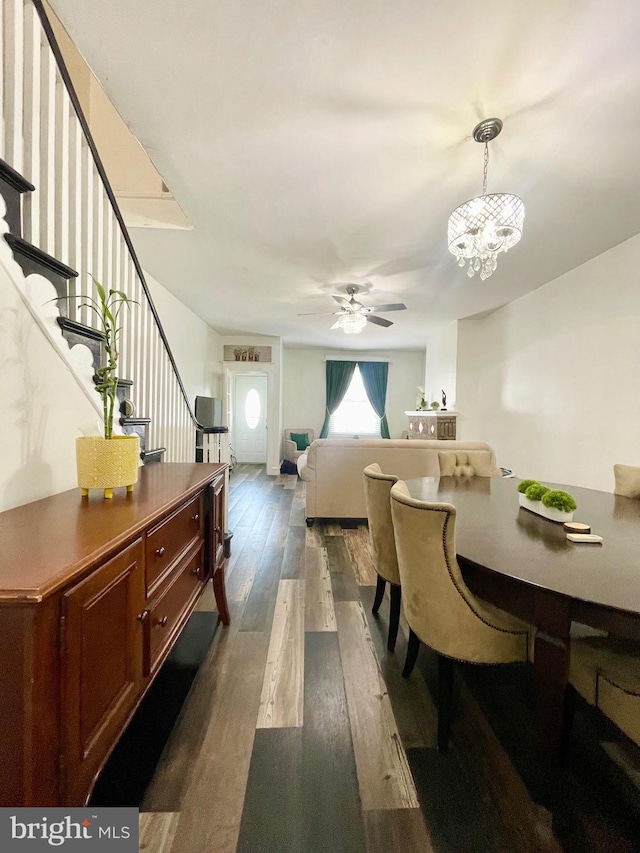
{"x": 291, "y": 451}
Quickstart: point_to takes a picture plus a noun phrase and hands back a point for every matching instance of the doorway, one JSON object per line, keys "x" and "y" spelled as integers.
{"x": 250, "y": 418}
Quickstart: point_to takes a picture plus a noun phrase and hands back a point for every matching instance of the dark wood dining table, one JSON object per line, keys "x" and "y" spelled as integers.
{"x": 524, "y": 564}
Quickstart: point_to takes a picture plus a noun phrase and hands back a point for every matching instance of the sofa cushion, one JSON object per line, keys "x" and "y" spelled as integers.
{"x": 301, "y": 440}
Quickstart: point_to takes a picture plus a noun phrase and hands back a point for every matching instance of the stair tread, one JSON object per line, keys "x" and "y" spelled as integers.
{"x": 14, "y": 179}
{"x": 80, "y": 328}
{"x": 28, "y": 250}
{"x": 151, "y": 456}
{"x": 134, "y": 421}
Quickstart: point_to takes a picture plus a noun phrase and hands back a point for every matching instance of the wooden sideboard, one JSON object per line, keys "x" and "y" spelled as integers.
{"x": 93, "y": 595}
{"x": 425, "y": 424}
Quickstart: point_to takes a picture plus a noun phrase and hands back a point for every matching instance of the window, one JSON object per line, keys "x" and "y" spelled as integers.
{"x": 355, "y": 415}
{"x": 252, "y": 409}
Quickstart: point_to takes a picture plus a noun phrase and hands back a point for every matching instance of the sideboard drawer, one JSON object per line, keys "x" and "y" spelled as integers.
{"x": 167, "y": 540}
{"x": 167, "y": 612}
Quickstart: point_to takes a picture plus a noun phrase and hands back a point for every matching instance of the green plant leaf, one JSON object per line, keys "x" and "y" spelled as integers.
{"x": 558, "y": 499}
{"x": 524, "y": 485}
{"x": 536, "y": 491}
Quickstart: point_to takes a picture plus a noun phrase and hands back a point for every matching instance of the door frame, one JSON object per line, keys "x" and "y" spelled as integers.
{"x": 261, "y": 374}
{"x": 231, "y": 370}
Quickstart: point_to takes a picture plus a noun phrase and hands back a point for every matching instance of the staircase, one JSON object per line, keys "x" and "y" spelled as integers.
{"x": 65, "y": 225}
{"x": 33, "y": 260}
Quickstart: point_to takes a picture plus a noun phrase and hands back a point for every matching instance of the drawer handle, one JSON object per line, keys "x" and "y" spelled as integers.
{"x": 196, "y": 571}
{"x": 142, "y": 617}
{"x": 195, "y": 517}
{"x": 160, "y": 551}
{"x": 162, "y": 622}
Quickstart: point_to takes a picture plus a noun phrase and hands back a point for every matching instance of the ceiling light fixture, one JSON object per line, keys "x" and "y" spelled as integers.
{"x": 486, "y": 225}
{"x": 352, "y": 323}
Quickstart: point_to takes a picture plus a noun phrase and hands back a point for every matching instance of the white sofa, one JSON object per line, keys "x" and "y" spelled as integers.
{"x": 332, "y": 469}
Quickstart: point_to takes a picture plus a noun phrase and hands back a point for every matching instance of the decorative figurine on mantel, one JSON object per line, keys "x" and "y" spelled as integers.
{"x": 444, "y": 401}
{"x": 421, "y": 403}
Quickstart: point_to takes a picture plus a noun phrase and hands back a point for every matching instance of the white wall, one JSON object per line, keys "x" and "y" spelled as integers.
{"x": 304, "y": 384}
{"x": 551, "y": 380}
{"x": 42, "y": 408}
{"x": 196, "y": 347}
{"x": 441, "y": 364}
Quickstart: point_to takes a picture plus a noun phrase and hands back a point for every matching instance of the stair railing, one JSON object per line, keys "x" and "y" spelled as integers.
{"x": 73, "y": 214}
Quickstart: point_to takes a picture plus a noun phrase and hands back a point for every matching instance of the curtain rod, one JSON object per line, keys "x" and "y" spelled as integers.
{"x": 356, "y": 358}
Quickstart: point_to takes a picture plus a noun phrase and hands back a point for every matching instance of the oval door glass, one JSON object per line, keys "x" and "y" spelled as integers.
{"x": 252, "y": 408}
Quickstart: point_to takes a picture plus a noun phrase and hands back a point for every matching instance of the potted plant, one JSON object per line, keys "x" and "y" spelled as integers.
{"x": 435, "y": 405}
{"x": 554, "y": 504}
{"x": 108, "y": 461}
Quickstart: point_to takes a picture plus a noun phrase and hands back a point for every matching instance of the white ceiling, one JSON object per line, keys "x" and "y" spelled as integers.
{"x": 319, "y": 141}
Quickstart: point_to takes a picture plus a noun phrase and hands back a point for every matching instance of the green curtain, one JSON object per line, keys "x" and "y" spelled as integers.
{"x": 339, "y": 375}
{"x": 374, "y": 378}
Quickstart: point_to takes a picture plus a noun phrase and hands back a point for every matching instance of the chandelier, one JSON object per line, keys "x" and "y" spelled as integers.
{"x": 486, "y": 225}
{"x": 352, "y": 323}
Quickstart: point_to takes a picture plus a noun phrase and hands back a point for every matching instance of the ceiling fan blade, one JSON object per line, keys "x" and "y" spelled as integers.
{"x": 342, "y": 301}
{"x": 336, "y": 325}
{"x": 393, "y": 306}
{"x": 379, "y": 321}
{"x": 319, "y": 313}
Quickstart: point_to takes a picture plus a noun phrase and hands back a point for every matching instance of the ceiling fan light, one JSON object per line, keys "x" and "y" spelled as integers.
{"x": 352, "y": 324}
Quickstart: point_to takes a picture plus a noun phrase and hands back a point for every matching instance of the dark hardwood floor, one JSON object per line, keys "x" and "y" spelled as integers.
{"x": 298, "y": 733}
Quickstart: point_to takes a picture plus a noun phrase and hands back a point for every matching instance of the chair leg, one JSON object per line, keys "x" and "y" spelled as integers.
{"x": 394, "y": 615}
{"x": 567, "y": 720}
{"x": 445, "y": 695}
{"x": 377, "y": 601}
{"x": 413, "y": 647}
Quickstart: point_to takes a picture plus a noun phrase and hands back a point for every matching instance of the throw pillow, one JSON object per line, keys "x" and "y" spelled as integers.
{"x": 301, "y": 440}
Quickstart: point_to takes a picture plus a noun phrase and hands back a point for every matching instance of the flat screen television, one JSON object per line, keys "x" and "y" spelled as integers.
{"x": 209, "y": 411}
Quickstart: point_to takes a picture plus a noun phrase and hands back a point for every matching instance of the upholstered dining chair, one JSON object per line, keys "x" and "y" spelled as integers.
{"x": 440, "y": 609}
{"x": 467, "y": 463}
{"x": 606, "y": 673}
{"x": 627, "y": 479}
{"x": 604, "y": 670}
{"x": 377, "y": 487}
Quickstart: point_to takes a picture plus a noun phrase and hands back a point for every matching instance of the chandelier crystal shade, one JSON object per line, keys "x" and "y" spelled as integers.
{"x": 352, "y": 324}
{"x": 486, "y": 225}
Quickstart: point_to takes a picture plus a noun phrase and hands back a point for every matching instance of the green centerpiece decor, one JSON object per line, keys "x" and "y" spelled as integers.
{"x": 554, "y": 504}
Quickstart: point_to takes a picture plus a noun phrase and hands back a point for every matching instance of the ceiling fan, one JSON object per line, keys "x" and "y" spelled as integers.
{"x": 353, "y": 315}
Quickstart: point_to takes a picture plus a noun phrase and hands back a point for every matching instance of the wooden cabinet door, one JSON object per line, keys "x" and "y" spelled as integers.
{"x": 102, "y": 665}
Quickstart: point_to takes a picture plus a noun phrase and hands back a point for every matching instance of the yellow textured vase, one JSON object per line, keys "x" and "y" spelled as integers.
{"x": 107, "y": 463}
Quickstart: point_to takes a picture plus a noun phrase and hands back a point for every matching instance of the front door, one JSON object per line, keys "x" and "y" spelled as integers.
{"x": 250, "y": 419}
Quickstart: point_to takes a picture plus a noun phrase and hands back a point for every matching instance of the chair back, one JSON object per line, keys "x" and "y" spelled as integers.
{"x": 377, "y": 490}
{"x": 466, "y": 463}
{"x": 437, "y": 604}
{"x": 291, "y": 451}
{"x": 627, "y": 479}
{"x": 299, "y": 431}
